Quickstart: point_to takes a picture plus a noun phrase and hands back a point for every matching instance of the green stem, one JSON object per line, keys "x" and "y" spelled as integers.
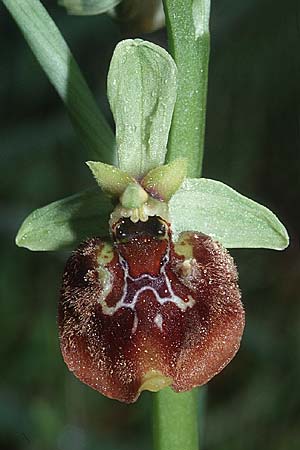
{"x": 188, "y": 36}
{"x": 175, "y": 427}
{"x": 175, "y": 416}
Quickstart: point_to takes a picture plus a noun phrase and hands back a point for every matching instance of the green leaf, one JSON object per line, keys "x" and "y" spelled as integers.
{"x": 53, "y": 54}
{"x": 163, "y": 181}
{"x": 66, "y": 222}
{"x": 142, "y": 92}
{"x": 111, "y": 179}
{"x": 201, "y": 12}
{"x": 213, "y": 208}
{"x": 88, "y": 7}
{"x": 188, "y": 39}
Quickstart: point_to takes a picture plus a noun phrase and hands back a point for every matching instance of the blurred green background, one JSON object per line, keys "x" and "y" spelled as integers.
{"x": 253, "y": 140}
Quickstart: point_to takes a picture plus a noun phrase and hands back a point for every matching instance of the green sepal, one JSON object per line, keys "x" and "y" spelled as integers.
{"x": 215, "y": 209}
{"x": 88, "y": 7}
{"x": 141, "y": 89}
{"x": 112, "y": 180}
{"x": 163, "y": 181}
{"x": 67, "y": 222}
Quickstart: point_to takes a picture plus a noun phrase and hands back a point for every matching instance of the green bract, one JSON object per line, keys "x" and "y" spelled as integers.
{"x": 200, "y": 11}
{"x": 142, "y": 91}
{"x": 88, "y": 7}
{"x": 188, "y": 37}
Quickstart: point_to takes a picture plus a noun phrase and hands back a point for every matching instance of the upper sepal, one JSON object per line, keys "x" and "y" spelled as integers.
{"x": 141, "y": 88}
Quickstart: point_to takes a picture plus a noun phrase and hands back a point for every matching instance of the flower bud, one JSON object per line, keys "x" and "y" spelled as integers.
{"x": 144, "y": 312}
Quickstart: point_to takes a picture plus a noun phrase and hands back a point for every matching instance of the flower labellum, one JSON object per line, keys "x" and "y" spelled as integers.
{"x": 144, "y": 312}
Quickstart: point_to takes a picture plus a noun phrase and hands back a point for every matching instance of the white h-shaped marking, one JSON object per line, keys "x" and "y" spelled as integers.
{"x": 172, "y": 297}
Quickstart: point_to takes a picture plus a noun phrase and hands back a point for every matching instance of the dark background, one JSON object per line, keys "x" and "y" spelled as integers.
{"x": 253, "y": 140}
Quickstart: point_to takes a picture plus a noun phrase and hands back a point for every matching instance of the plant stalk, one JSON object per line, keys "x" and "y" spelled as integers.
{"x": 175, "y": 420}
{"x": 175, "y": 416}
